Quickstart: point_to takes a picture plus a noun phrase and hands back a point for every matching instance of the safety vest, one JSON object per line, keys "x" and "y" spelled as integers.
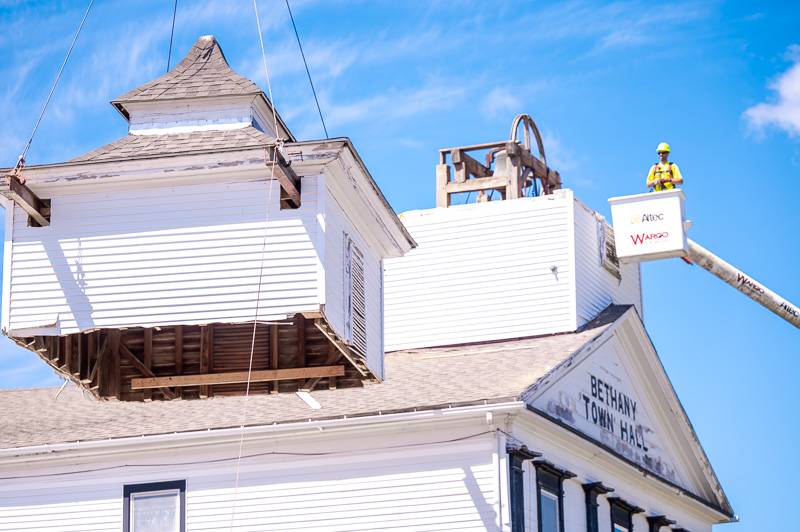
{"x": 660, "y": 171}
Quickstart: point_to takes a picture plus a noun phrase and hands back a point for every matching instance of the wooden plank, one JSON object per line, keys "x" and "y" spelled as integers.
{"x": 19, "y": 193}
{"x": 300, "y": 324}
{"x": 179, "y": 355}
{"x": 442, "y": 179}
{"x": 465, "y": 166}
{"x": 142, "y": 368}
{"x": 95, "y": 374}
{"x": 478, "y": 183}
{"x": 333, "y": 356}
{"x": 238, "y": 377}
{"x": 66, "y": 361}
{"x": 273, "y": 353}
{"x": 343, "y": 348}
{"x": 115, "y": 371}
{"x": 206, "y": 347}
{"x": 148, "y": 359}
{"x": 79, "y": 355}
{"x": 91, "y": 349}
{"x": 288, "y": 179}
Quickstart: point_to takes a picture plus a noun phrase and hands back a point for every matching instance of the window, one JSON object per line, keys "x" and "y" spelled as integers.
{"x": 592, "y": 490}
{"x": 622, "y": 514}
{"x": 154, "y": 507}
{"x": 355, "y": 303}
{"x": 550, "y": 496}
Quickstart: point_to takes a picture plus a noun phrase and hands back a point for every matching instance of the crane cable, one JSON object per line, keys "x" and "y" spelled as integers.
{"x": 297, "y": 35}
{"x": 21, "y": 158}
{"x": 274, "y": 159}
{"x": 172, "y": 33}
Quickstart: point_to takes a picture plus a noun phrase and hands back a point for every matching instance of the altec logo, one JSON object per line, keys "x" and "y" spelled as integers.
{"x": 647, "y": 217}
{"x": 641, "y": 238}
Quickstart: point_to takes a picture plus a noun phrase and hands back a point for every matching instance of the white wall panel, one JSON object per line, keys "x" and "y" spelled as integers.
{"x": 596, "y": 288}
{"x": 159, "y": 255}
{"x": 483, "y": 272}
{"x": 419, "y": 487}
{"x": 336, "y": 225}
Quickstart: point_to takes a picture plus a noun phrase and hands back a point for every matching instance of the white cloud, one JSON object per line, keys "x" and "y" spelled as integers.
{"x": 784, "y": 111}
{"x": 501, "y": 101}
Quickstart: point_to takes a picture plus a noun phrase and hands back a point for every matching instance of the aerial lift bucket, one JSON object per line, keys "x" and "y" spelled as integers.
{"x": 653, "y": 226}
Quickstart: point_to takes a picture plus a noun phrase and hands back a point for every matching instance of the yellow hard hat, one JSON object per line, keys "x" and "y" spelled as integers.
{"x": 663, "y": 147}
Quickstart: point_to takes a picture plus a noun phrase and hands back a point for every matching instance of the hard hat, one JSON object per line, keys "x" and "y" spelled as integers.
{"x": 663, "y": 147}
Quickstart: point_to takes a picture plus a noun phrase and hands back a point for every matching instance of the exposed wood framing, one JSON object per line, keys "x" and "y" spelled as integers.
{"x": 145, "y": 370}
{"x": 238, "y": 377}
{"x": 289, "y": 355}
{"x": 288, "y": 179}
{"x": 15, "y": 190}
{"x": 343, "y": 348}
{"x": 273, "y": 353}
{"x": 474, "y": 176}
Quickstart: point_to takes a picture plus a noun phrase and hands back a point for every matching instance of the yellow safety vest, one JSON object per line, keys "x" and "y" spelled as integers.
{"x": 663, "y": 171}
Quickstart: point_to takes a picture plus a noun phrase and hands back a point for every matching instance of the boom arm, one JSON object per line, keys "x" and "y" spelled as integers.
{"x": 744, "y": 283}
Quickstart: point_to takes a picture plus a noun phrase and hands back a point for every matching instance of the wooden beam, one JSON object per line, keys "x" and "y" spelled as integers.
{"x": 148, "y": 360}
{"x": 442, "y": 179}
{"x": 465, "y": 166}
{"x": 288, "y": 179}
{"x": 343, "y": 348}
{"x": 102, "y": 348}
{"x": 144, "y": 370}
{"x": 273, "y": 353}
{"x": 179, "y": 355}
{"x": 115, "y": 370}
{"x": 478, "y": 183}
{"x": 206, "y": 341}
{"x": 12, "y": 188}
{"x": 333, "y": 356}
{"x": 238, "y": 377}
{"x": 91, "y": 349}
{"x": 300, "y": 323}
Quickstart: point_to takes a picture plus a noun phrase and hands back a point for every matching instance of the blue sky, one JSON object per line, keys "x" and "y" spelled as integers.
{"x": 605, "y": 82}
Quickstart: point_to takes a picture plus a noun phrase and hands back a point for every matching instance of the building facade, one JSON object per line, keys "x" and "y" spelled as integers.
{"x": 510, "y": 384}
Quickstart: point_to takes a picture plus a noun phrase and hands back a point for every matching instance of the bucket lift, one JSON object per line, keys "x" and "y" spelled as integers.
{"x": 653, "y": 226}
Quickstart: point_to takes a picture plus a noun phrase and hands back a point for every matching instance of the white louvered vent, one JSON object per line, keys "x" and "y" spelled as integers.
{"x": 607, "y": 248}
{"x": 355, "y": 310}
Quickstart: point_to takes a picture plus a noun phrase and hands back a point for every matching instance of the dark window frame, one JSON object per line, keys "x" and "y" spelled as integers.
{"x": 551, "y": 478}
{"x": 129, "y": 489}
{"x": 592, "y": 490}
{"x": 516, "y": 484}
{"x": 622, "y": 513}
{"x": 655, "y": 522}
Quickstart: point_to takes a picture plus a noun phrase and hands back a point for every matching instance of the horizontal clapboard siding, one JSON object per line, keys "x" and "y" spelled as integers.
{"x": 421, "y": 487}
{"x": 483, "y": 272}
{"x": 159, "y": 255}
{"x": 596, "y": 287}
{"x": 336, "y": 226}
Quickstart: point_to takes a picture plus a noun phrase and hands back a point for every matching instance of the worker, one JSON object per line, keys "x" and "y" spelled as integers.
{"x": 664, "y": 175}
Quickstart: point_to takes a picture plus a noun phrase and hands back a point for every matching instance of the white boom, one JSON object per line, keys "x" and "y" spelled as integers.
{"x": 744, "y": 283}
{"x": 652, "y": 226}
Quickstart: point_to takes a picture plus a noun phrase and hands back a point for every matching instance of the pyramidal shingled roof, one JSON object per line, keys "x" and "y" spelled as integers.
{"x": 204, "y": 72}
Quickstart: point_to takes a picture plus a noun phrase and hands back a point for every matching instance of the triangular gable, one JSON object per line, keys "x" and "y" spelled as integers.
{"x": 615, "y": 392}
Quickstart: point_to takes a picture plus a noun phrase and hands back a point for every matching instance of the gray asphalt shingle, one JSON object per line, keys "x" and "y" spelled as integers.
{"x": 415, "y": 379}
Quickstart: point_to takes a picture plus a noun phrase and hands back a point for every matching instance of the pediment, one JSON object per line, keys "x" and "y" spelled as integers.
{"x": 615, "y": 392}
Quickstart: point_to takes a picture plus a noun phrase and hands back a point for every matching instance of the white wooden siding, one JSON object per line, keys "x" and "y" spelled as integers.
{"x": 420, "y": 488}
{"x": 567, "y": 452}
{"x": 483, "y": 272}
{"x": 160, "y": 255}
{"x": 336, "y": 226}
{"x": 596, "y": 288}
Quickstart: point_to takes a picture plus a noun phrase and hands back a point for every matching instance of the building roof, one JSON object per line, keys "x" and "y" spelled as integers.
{"x": 164, "y": 145}
{"x": 416, "y": 379}
{"x": 203, "y": 72}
